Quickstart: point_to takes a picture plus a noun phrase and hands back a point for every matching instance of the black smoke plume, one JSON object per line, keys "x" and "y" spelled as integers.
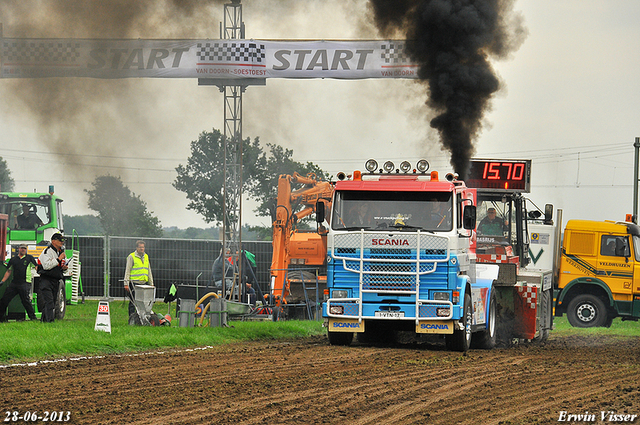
{"x": 452, "y": 41}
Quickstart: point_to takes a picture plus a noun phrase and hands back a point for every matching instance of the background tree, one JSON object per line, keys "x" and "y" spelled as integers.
{"x": 120, "y": 211}
{"x": 6, "y": 181}
{"x": 202, "y": 177}
{"x": 85, "y": 225}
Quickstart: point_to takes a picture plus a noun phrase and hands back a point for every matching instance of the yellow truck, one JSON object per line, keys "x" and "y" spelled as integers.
{"x": 599, "y": 273}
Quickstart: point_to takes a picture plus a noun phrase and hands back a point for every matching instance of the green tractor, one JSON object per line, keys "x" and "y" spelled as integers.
{"x": 32, "y": 219}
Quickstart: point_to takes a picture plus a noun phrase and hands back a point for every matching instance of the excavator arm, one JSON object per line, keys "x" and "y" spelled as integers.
{"x": 285, "y": 222}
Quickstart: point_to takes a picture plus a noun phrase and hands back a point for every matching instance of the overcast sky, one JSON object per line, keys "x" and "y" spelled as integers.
{"x": 570, "y": 102}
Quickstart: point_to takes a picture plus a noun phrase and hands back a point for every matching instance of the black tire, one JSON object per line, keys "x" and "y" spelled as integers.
{"x": 487, "y": 339}
{"x": 340, "y": 338}
{"x": 587, "y": 311}
{"x": 154, "y": 320}
{"x": 134, "y": 320}
{"x": 61, "y": 302}
{"x": 460, "y": 340}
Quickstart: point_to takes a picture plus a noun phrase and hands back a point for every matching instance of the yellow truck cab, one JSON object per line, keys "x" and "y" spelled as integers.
{"x": 599, "y": 273}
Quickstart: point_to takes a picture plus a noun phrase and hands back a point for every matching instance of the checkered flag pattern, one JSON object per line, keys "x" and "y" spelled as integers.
{"x": 62, "y": 52}
{"x": 393, "y": 53}
{"x": 231, "y": 52}
{"x": 529, "y": 294}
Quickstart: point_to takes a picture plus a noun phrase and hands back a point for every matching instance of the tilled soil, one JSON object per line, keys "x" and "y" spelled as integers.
{"x": 308, "y": 382}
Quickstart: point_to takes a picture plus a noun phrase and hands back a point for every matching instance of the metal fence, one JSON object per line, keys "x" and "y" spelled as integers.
{"x": 178, "y": 261}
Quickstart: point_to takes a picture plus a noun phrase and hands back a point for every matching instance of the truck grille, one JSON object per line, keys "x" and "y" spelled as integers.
{"x": 390, "y": 267}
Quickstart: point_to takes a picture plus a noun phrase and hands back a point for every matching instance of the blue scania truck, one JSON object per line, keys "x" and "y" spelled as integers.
{"x": 401, "y": 261}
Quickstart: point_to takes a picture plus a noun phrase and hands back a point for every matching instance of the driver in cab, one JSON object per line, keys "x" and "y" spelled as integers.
{"x": 28, "y": 220}
{"x": 492, "y": 225}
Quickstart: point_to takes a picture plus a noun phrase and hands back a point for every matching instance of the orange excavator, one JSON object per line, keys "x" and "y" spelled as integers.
{"x": 299, "y": 256}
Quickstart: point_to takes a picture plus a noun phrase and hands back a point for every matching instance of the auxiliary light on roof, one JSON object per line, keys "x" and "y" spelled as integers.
{"x": 371, "y": 165}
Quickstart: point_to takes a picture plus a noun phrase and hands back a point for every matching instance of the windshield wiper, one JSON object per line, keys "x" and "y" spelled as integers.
{"x": 355, "y": 228}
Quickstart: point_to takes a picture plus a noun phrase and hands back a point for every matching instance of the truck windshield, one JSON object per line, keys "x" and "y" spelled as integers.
{"x": 25, "y": 214}
{"x": 431, "y": 211}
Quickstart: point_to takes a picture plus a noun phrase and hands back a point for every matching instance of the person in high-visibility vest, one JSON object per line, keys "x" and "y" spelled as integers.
{"x": 137, "y": 272}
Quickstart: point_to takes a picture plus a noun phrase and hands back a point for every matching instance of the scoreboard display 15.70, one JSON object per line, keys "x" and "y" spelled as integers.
{"x": 500, "y": 175}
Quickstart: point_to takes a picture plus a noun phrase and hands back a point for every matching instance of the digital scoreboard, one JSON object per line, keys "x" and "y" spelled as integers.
{"x": 500, "y": 175}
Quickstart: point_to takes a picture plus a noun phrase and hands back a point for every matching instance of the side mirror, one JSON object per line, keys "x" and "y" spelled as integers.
{"x": 320, "y": 214}
{"x": 469, "y": 217}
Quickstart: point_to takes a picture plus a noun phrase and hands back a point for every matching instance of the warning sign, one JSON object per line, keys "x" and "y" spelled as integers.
{"x": 103, "y": 318}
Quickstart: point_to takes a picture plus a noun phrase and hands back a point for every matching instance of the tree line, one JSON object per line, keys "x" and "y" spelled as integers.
{"x": 120, "y": 212}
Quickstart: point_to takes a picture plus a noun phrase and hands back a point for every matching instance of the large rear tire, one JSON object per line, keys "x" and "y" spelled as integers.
{"x": 587, "y": 311}
{"x": 460, "y": 340}
{"x": 340, "y": 338}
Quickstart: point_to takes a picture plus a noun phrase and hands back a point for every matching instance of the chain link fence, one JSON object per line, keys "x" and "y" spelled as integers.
{"x": 177, "y": 261}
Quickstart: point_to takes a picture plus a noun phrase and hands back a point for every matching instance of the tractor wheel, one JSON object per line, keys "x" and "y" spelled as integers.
{"x": 460, "y": 340}
{"x": 340, "y": 338}
{"x": 587, "y": 311}
{"x": 61, "y": 302}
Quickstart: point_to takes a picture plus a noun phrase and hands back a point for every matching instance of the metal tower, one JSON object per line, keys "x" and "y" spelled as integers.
{"x": 232, "y": 29}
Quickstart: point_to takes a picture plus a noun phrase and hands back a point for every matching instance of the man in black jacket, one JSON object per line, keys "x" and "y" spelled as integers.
{"x": 53, "y": 262}
{"x": 21, "y": 265}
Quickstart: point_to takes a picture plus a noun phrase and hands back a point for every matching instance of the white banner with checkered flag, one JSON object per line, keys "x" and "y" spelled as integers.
{"x": 215, "y": 59}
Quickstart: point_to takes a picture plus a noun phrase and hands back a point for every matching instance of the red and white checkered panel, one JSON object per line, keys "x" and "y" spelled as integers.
{"x": 529, "y": 294}
{"x": 497, "y": 258}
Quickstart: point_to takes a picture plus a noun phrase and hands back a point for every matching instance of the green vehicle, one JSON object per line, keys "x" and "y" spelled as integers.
{"x": 32, "y": 219}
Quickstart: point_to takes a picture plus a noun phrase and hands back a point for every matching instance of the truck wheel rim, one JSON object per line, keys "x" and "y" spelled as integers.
{"x": 586, "y": 312}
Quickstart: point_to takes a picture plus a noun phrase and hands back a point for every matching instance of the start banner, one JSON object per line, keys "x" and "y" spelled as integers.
{"x": 216, "y": 59}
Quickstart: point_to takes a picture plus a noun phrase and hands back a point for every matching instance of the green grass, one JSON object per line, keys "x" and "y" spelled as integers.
{"x": 75, "y": 334}
{"x": 618, "y": 328}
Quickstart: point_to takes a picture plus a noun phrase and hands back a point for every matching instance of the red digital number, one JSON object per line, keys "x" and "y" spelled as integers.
{"x": 103, "y": 309}
{"x": 518, "y": 171}
{"x": 492, "y": 173}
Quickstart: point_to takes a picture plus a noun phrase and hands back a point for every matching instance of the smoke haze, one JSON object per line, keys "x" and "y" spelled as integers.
{"x": 452, "y": 41}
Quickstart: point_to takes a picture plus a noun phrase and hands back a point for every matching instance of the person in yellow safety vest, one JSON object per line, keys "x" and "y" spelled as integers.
{"x": 137, "y": 272}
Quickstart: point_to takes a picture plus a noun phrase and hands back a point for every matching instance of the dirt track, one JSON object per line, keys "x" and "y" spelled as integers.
{"x": 308, "y": 381}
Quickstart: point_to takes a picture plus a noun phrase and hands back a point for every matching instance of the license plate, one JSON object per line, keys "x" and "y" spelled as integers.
{"x": 389, "y": 313}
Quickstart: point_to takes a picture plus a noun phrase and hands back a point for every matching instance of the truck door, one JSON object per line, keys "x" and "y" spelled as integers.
{"x": 616, "y": 266}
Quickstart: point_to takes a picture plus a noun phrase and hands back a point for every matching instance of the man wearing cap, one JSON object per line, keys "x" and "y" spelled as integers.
{"x": 492, "y": 225}
{"x": 53, "y": 265}
{"x": 21, "y": 264}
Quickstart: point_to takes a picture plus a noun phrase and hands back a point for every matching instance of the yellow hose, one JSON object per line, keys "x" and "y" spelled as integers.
{"x": 201, "y": 300}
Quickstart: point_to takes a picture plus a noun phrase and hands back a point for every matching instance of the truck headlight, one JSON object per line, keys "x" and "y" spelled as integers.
{"x": 336, "y": 309}
{"x": 340, "y": 293}
{"x": 441, "y": 296}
